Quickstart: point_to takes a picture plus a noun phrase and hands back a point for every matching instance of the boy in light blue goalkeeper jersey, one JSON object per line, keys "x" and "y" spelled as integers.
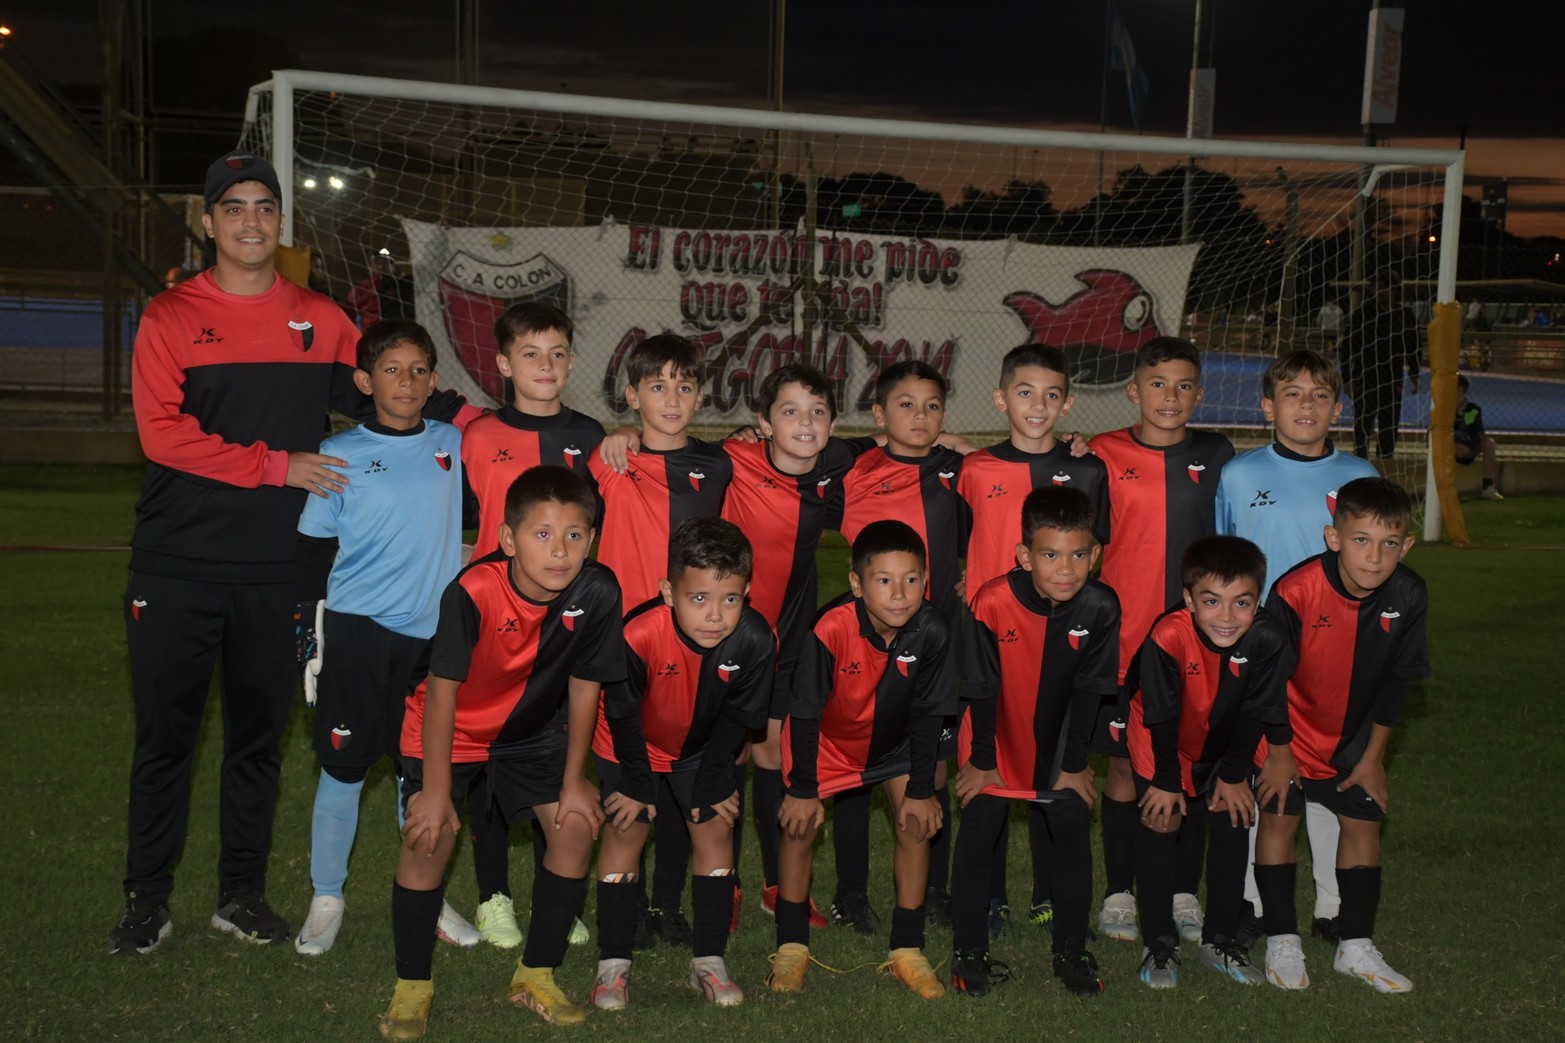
{"x": 1281, "y": 497}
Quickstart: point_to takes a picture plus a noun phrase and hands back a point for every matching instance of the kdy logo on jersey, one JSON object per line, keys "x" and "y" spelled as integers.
{"x": 1262, "y": 498}
{"x": 726, "y": 671}
{"x": 569, "y": 616}
{"x": 443, "y": 458}
{"x": 1194, "y": 471}
{"x": 905, "y": 663}
{"x": 1235, "y": 662}
{"x": 302, "y": 332}
{"x": 340, "y": 737}
{"x": 1075, "y": 635}
{"x": 1386, "y": 617}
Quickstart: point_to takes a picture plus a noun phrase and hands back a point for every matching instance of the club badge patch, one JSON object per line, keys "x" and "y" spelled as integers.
{"x": 1076, "y": 635}
{"x": 1386, "y": 617}
{"x": 726, "y": 671}
{"x": 945, "y": 478}
{"x": 443, "y": 458}
{"x": 1194, "y": 471}
{"x": 340, "y": 737}
{"x": 905, "y": 663}
{"x": 135, "y": 609}
{"x": 571, "y": 453}
{"x": 1331, "y": 503}
{"x": 1060, "y": 479}
{"x": 695, "y": 480}
{"x": 1117, "y": 729}
{"x": 820, "y": 486}
{"x": 302, "y": 332}
{"x": 569, "y": 616}
{"x": 1235, "y": 662}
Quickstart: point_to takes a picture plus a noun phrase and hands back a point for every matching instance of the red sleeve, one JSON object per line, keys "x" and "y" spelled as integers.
{"x": 174, "y": 438}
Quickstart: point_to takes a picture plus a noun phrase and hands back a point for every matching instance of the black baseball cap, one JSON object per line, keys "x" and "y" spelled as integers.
{"x": 235, "y": 167}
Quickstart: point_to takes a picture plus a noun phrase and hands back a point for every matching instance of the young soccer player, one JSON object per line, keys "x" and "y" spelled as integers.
{"x": 1040, "y": 652}
{"x": 391, "y": 541}
{"x": 869, "y": 699}
{"x": 912, "y": 479}
{"x": 1034, "y": 394}
{"x": 672, "y": 477}
{"x": 524, "y": 645}
{"x": 699, "y": 677}
{"x": 1162, "y": 480}
{"x": 534, "y": 353}
{"x": 1356, "y": 617}
{"x": 1472, "y": 442}
{"x": 1279, "y": 497}
{"x": 1213, "y": 682}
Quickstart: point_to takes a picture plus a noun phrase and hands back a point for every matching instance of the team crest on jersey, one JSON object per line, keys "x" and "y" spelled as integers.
{"x": 570, "y": 615}
{"x": 136, "y": 605}
{"x": 726, "y": 671}
{"x": 945, "y": 478}
{"x": 1117, "y": 729}
{"x": 820, "y": 486}
{"x": 443, "y": 458}
{"x": 340, "y": 737}
{"x": 1235, "y": 662}
{"x": 1194, "y": 471}
{"x": 1076, "y": 634}
{"x": 1060, "y": 479}
{"x": 905, "y": 663}
{"x": 571, "y": 452}
{"x": 302, "y": 332}
{"x": 1386, "y": 617}
{"x": 695, "y": 480}
{"x": 1331, "y": 503}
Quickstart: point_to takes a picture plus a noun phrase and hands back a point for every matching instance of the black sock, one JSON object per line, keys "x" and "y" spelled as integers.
{"x": 1276, "y": 886}
{"x": 555, "y": 901}
{"x": 712, "y": 901}
{"x": 1227, "y": 853}
{"x": 793, "y": 922}
{"x": 413, "y": 918}
{"x": 1191, "y": 844}
{"x": 1360, "y": 890}
{"x": 998, "y": 873}
{"x": 670, "y": 852}
{"x": 491, "y": 853}
{"x": 940, "y": 843}
{"x": 618, "y": 905}
{"x": 540, "y": 845}
{"x": 1488, "y": 483}
{"x": 979, "y": 843}
{"x": 850, "y": 840}
{"x": 1042, "y": 848}
{"x": 738, "y": 837}
{"x": 907, "y": 928}
{"x": 1121, "y": 823}
{"x": 766, "y": 793}
{"x": 1156, "y": 857}
{"x": 1069, "y": 829}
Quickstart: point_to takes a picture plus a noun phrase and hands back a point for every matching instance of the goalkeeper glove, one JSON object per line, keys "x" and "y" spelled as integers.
{"x": 313, "y": 648}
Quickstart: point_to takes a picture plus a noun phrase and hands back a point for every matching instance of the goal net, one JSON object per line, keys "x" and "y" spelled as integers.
{"x": 851, "y": 243}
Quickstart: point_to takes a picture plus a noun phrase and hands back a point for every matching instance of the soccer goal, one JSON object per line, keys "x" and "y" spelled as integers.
{"x": 772, "y": 237}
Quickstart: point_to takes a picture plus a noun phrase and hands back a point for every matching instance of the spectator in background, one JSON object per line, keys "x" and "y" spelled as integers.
{"x": 1472, "y": 442}
{"x": 386, "y": 294}
{"x": 1382, "y": 338}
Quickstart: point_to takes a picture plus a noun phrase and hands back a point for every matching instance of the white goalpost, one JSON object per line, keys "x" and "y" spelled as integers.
{"x": 770, "y": 237}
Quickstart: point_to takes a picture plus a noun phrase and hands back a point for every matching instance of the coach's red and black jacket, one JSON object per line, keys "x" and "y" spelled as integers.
{"x": 681, "y": 705}
{"x": 1202, "y": 711}
{"x": 921, "y": 491}
{"x": 644, "y": 505}
{"x": 862, "y": 710}
{"x": 498, "y": 447}
{"x": 1033, "y": 674}
{"x": 515, "y": 657}
{"x": 1356, "y": 657}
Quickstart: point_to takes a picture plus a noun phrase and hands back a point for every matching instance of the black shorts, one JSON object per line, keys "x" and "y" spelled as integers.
{"x": 679, "y": 784}
{"x": 1108, "y": 731}
{"x": 1352, "y": 803}
{"x": 1292, "y": 802}
{"x": 1466, "y": 454}
{"x": 513, "y": 787}
{"x": 367, "y": 673}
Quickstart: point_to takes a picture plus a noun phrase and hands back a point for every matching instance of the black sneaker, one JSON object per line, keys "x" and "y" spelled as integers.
{"x": 245, "y": 914}
{"x": 1077, "y": 970}
{"x": 143, "y": 927}
{"x": 853, "y": 910}
{"x": 1326, "y": 927}
{"x": 644, "y": 939}
{"x": 973, "y": 973}
{"x": 1250, "y": 928}
{"x": 937, "y": 907}
{"x": 671, "y": 926}
{"x": 999, "y": 918}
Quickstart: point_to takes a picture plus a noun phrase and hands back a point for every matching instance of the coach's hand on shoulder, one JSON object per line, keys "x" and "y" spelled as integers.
{"x": 427, "y": 815}
{"x": 971, "y": 781}
{"x": 622, "y": 811}
{"x": 922, "y": 818}
{"x": 798, "y": 816}
{"x": 1371, "y": 774}
{"x": 580, "y": 797}
{"x": 313, "y": 473}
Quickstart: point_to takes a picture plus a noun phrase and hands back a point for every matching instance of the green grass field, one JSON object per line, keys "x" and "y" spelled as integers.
{"x": 1469, "y": 912}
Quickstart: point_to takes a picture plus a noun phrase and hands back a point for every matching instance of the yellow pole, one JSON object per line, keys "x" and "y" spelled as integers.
{"x": 1445, "y": 345}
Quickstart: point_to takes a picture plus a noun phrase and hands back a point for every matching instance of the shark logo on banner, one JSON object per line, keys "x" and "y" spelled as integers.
{"x": 1100, "y": 328}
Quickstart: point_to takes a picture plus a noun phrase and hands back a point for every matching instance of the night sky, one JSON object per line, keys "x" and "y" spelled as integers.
{"x": 1284, "y": 70}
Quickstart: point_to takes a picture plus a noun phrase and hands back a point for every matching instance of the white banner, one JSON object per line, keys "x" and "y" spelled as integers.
{"x": 1382, "y": 66}
{"x": 741, "y": 295}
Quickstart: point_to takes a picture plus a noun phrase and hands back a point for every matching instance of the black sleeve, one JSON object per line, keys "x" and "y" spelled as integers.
{"x": 749, "y": 697}
{"x": 316, "y": 554}
{"x": 1078, "y": 733}
{"x": 602, "y": 653}
{"x": 923, "y": 732}
{"x": 934, "y": 689}
{"x": 811, "y": 680}
{"x": 1165, "y": 756}
{"x": 456, "y": 635}
{"x": 983, "y": 715}
{"x": 346, "y": 398}
{"x": 1388, "y": 707}
{"x": 979, "y": 657}
{"x": 622, "y": 710}
{"x": 444, "y": 405}
{"x": 804, "y": 740}
{"x": 1239, "y": 758}
{"x": 1266, "y": 690}
{"x": 715, "y": 778}
{"x": 1161, "y": 691}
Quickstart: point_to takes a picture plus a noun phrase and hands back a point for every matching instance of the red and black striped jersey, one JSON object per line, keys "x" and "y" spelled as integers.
{"x": 877, "y": 707}
{"x": 994, "y": 483}
{"x": 921, "y": 491}
{"x": 1033, "y": 673}
{"x": 225, "y": 387}
{"x": 1161, "y": 500}
{"x": 1356, "y": 657}
{"x": 783, "y": 516}
{"x": 679, "y": 691}
{"x": 1224, "y": 700}
{"x": 644, "y": 505}
{"x": 514, "y": 657}
{"x": 499, "y": 446}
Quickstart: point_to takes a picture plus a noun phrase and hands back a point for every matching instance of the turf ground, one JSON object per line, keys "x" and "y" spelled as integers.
{"x": 1469, "y": 912}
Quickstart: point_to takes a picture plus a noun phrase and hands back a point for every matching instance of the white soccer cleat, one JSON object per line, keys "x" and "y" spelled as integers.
{"x": 1285, "y": 962}
{"x": 1187, "y": 916}
{"x": 453, "y": 928}
{"x": 1359, "y": 958}
{"x": 1117, "y": 920}
{"x": 611, "y": 988}
{"x": 709, "y": 976}
{"x": 319, "y": 932}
